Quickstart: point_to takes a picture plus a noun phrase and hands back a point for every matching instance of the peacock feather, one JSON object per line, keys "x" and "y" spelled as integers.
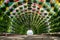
{"x": 42, "y": 16}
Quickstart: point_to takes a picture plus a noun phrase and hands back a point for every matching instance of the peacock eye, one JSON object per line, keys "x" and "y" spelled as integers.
{"x": 47, "y": 0}
{"x": 45, "y": 13}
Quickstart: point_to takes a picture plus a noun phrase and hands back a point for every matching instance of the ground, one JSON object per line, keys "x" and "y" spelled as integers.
{"x": 29, "y": 37}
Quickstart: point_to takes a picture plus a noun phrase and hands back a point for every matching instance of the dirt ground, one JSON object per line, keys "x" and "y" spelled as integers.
{"x": 29, "y": 37}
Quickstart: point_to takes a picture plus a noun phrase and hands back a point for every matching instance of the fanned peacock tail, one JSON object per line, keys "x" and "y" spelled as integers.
{"x": 41, "y": 16}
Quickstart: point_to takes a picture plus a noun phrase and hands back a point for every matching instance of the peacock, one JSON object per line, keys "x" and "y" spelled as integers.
{"x": 40, "y": 16}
